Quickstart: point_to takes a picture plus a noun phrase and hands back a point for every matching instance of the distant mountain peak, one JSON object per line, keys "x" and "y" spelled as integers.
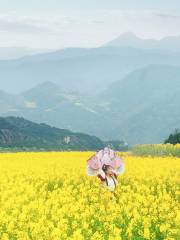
{"x": 129, "y": 39}
{"x": 124, "y": 39}
{"x": 48, "y": 85}
{"x": 44, "y": 87}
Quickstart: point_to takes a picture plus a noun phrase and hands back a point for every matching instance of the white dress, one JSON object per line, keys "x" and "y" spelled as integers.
{"x": 111, "y": 185}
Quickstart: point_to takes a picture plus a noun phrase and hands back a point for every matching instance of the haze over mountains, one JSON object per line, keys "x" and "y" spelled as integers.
{"x": 7, "y": 53}
{"x": 129, "y": 39}
{"x": 127, "y": 92}
{"x": 141, "y": 108}
{"x": 83, "y": 70}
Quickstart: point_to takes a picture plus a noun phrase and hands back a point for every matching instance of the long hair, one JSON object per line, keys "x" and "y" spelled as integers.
{"x": 105, "y": 167}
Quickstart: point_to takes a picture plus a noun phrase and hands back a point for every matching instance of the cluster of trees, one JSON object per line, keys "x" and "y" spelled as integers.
{"x": 174, "y": 138}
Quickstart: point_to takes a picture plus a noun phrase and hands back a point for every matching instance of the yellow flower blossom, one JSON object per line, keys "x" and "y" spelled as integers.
{"x": 48, "y": 196}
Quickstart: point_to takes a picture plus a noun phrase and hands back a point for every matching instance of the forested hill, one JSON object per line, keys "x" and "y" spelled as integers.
{"x": 16, "y": 132}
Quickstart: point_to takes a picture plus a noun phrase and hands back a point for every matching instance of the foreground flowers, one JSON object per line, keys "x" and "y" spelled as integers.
{"x": 49, "y": 196}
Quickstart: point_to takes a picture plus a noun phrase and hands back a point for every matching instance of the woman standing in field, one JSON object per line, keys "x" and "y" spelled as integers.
{"x": 106, "y": 165}
{"x": 108, "y": 177}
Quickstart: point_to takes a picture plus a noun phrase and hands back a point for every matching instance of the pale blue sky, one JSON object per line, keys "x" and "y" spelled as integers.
{"x": 84, "y": 23}
{"x": 28, "y": 5}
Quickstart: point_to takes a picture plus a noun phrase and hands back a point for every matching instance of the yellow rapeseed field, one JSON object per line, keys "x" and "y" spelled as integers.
{"x": 48, "y": 196}
{"x": 157, "y": 149}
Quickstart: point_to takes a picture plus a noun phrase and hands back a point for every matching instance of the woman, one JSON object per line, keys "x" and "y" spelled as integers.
{"x": 106, "y": 164}
{"x": 108, "y": 177}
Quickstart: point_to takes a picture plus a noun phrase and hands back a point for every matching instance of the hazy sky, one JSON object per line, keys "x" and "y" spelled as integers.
{"x": 84, "y": 23}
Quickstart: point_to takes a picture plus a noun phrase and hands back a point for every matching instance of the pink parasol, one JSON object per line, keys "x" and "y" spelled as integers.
{"x": 105, "y": 156}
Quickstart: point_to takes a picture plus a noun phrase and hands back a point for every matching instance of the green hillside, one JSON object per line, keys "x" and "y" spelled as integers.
{"x": 20, "y": 133}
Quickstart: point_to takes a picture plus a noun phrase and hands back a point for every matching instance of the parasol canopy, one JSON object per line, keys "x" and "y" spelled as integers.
{"x": 105, "y": 156}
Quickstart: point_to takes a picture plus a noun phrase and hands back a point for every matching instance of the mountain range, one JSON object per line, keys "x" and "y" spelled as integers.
{"x": 129, "y": 39}
{"x": 127, "y": 91}
{"x": 88, "y": 71}
{"x": 7, "y": 53}
{"x": 141, "y": 108}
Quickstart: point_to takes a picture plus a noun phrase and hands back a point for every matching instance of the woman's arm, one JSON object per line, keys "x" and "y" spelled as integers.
{"x": 101, "y": 175}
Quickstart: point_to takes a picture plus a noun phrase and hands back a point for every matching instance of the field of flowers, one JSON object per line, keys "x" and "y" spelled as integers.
{"x": 157, "y": 149}
{"x": 48, "y": 196}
